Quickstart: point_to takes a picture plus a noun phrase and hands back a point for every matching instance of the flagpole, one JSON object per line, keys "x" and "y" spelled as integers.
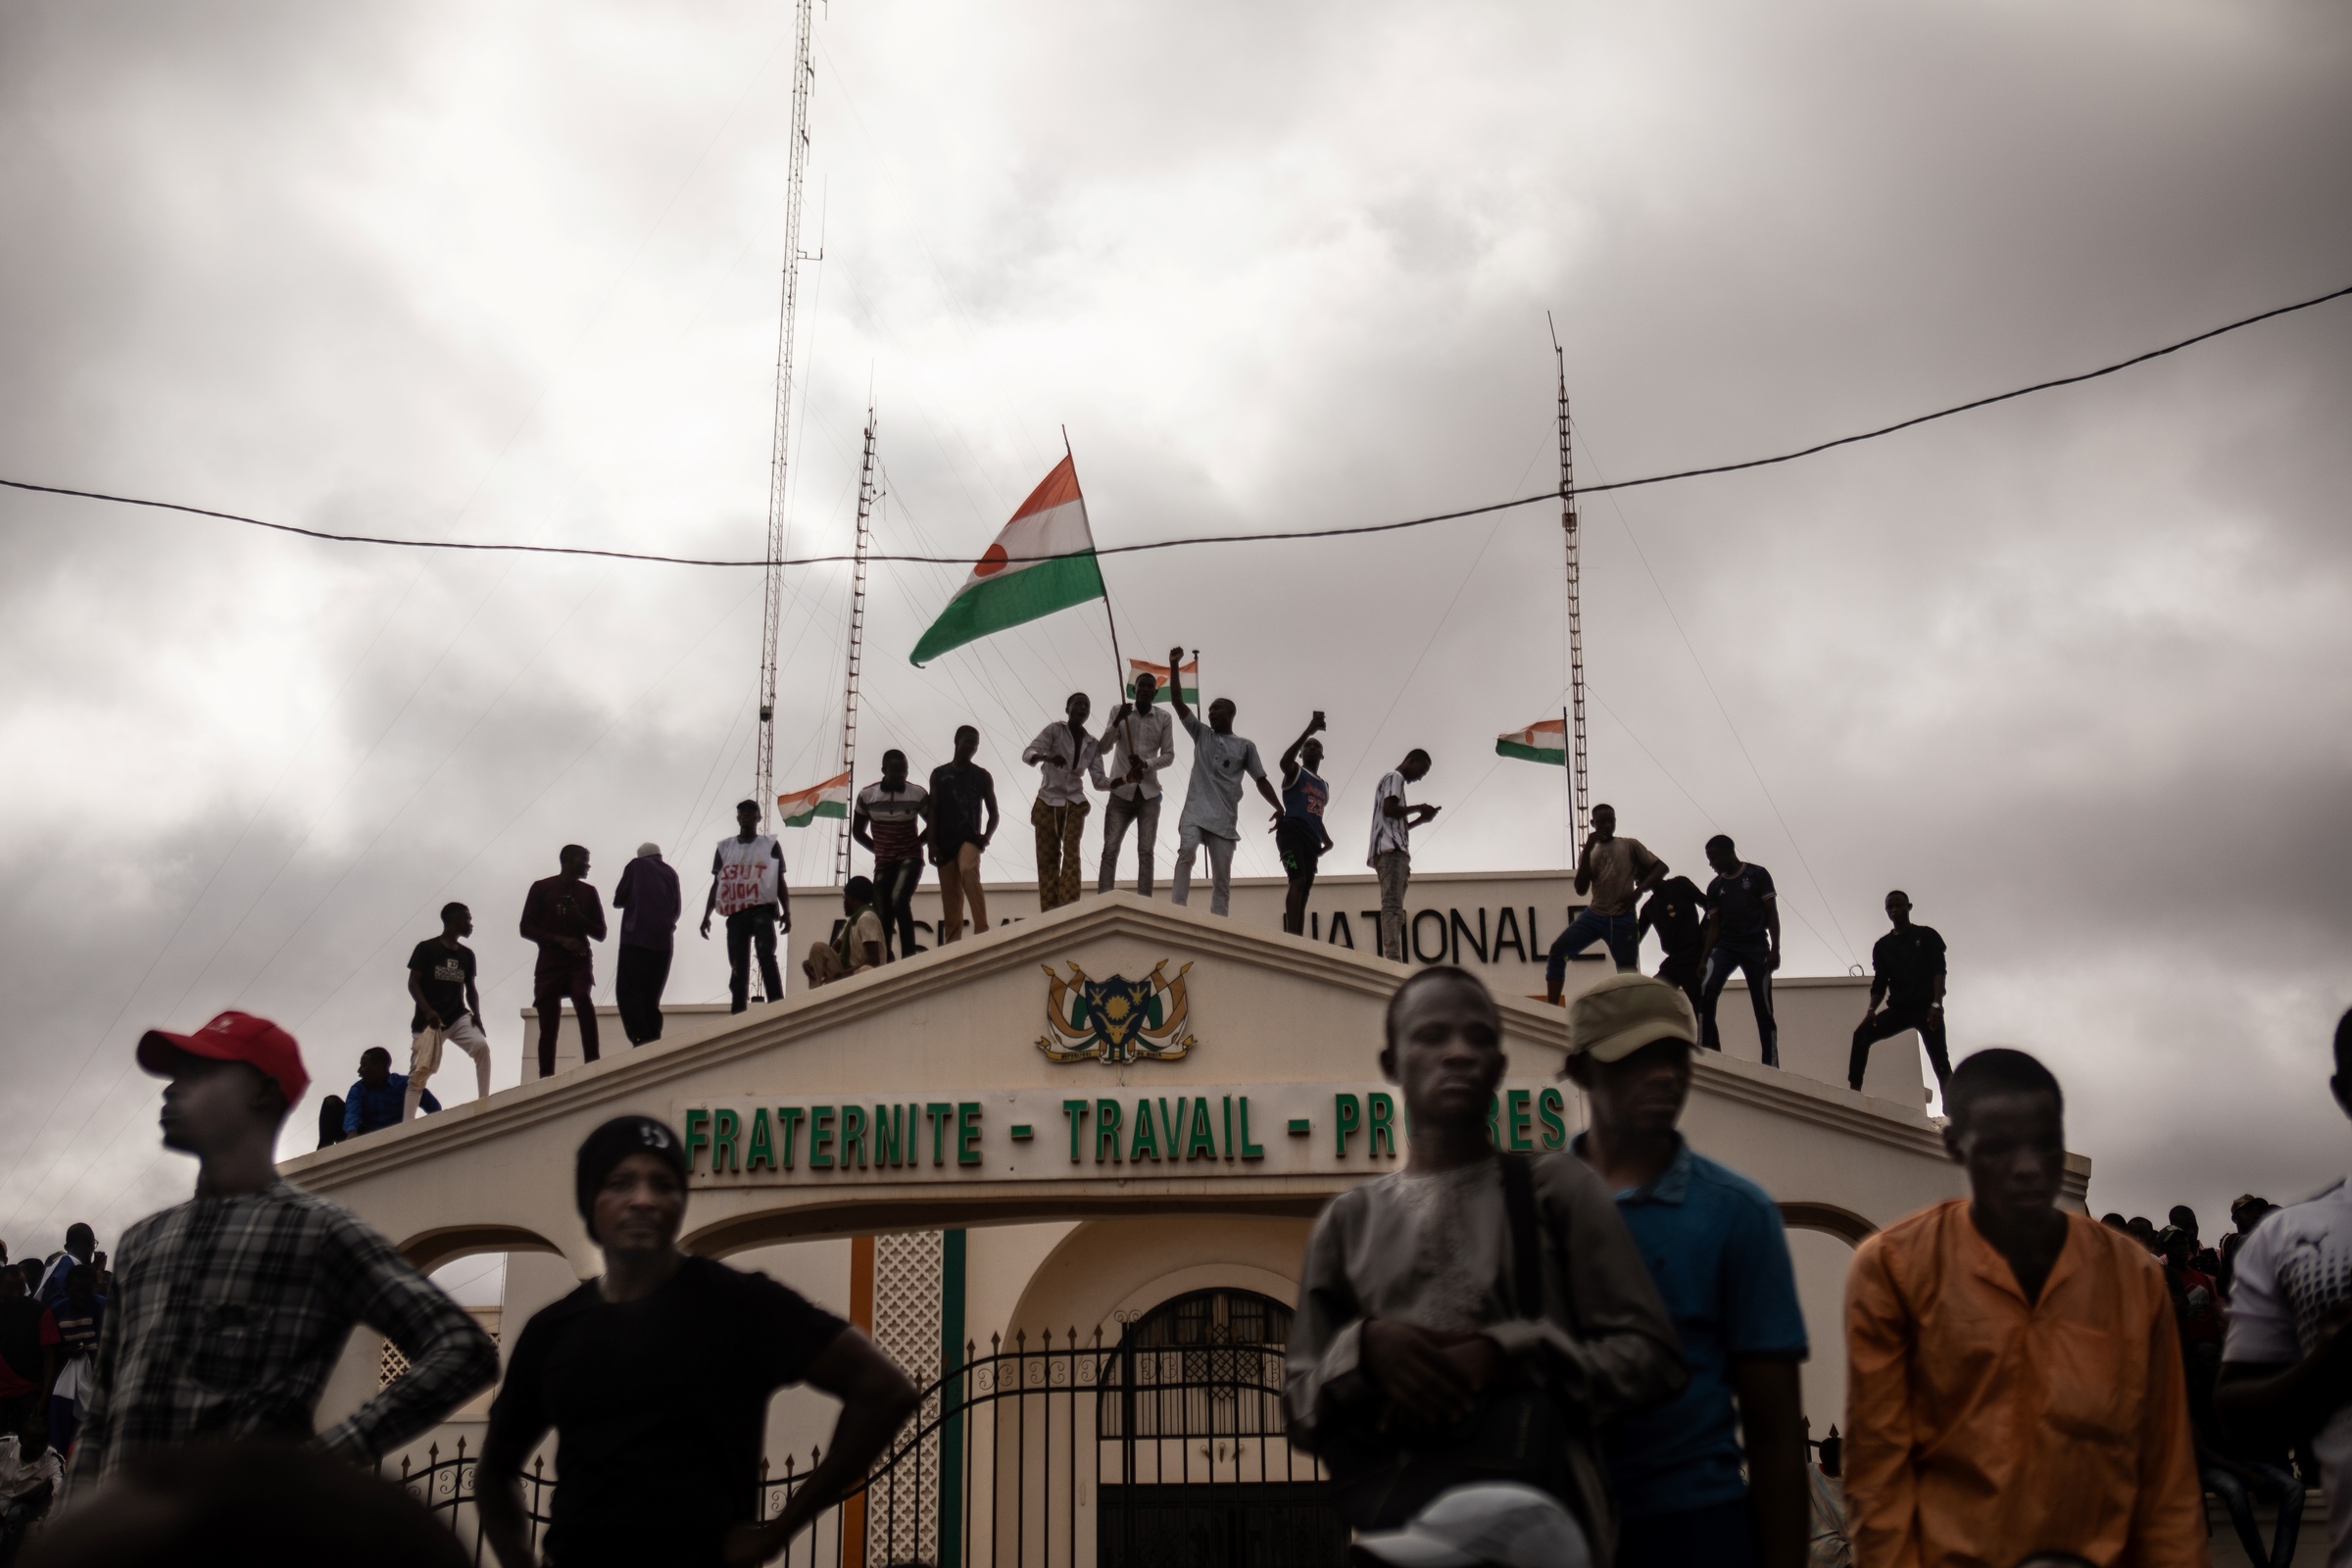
{"x": 1118, "y": 660}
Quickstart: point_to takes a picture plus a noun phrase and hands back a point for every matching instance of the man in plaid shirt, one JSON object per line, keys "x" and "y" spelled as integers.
{"x": 231, "y": 1309}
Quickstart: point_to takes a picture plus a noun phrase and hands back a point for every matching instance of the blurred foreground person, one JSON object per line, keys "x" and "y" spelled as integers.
{"x": 1693, "y": 1493}
{"x": 253, "y": 1504}
{"x": 1473, "y": 1317}
{"x": 2014, "y": 1378}
{"x": 231, "y": 1311}
{"x": 657, "y": 1376}
{"x": 2286, "y": 1364}
{"x": 1495, "y": 1524}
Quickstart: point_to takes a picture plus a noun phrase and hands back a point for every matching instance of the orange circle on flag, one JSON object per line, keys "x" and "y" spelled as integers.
{"x": 990, "y": 564}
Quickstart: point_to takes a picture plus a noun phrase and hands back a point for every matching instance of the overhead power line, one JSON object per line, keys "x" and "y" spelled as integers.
{"x": 1186, "y": 540}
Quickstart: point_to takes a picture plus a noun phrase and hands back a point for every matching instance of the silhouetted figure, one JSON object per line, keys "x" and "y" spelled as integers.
{"x": 649, "y": 902}
{"x": 748, "y": 892}
{"x": 448, "y": 1007}
{"x": 1906, "y": 973}
{"x": 1615, "y": 871}
{"x": 563, "y": 915}
{"x": 1742, "y": 933}
{"x": 1677, "y": 911}
{"x": 963, "y": 819}
{"x": 1299, "y": 836}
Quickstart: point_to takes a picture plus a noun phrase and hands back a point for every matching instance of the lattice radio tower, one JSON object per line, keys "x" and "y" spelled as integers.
{"x": 1579, "y": 786}
{"x": 848, "y": 705}
{"x": 804, "y": 79}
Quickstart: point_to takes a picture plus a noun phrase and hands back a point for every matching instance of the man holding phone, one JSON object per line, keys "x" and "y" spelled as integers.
{"x": 1392, "y": 859}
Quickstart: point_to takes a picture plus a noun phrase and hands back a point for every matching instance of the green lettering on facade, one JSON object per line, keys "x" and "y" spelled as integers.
{"x": 820, "y": 1138}
{"x": 1202, "y": 1142}
{"x": 697, "y": 1134}
{"x": 788, "y": 1122}
{"x": 852, "y": 1135}
{"x": 1249, "y": 1150}
{"x": 967, "y": 1133}
{"x": 1552, "y": 1110}
{"x": 1348, "y": 1114}
{"x": 1521, "y": 1143}
{"x": 1228, "y": 1126}
{"x": 939, "y": 1110}
{"x": 890, "y": 1129}
{"x": 723, "y": 1127}
{"x": 1076, "y": 1111}
{"x": 761, "y": 1149}
{"x": 1380, "y": 1115}
{"x": 1107, "y": 1131}
{"x": 1146, "y": 1135}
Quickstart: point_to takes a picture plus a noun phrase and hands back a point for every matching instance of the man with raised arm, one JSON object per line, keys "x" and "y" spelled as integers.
{"x": 748, "y": 892}
{"x": 1299, "y": 837}
{"x": 655, "y": 1378}
{"x": 1475, "y": 1315}
{"x": 1615, "y": 872}
{"x": 2014, "y": 1378}
{"x": 1715, "y": 1478}
{"x": 1392, "y": 855}
{"x": 1212, "y": 802}
{"x": 1139, "y": 740}
{"x": 1064, "y": 753}
{"x": 229, "y": 1311}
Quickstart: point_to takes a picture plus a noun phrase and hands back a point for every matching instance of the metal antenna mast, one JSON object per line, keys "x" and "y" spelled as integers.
{"x": 848, "y": 705}
{"x": 1578, "y": 785}
{"x": 804, "y": 79}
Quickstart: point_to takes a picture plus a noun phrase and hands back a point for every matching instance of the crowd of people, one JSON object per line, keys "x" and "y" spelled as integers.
{"x": 1583, "y": 1357}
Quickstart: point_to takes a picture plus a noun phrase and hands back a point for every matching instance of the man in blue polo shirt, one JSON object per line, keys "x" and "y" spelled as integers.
{"x": 1715, "y": 1247}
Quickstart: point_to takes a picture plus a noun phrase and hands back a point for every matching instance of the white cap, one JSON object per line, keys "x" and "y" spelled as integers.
{"x": 1494, "y": 1524}
{"x": 649, "y": 849}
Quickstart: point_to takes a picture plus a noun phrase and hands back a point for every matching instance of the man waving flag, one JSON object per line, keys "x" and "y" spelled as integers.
{"x": 1043, "y": 561}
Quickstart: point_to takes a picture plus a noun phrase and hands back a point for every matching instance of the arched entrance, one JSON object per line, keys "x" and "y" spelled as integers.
{"x": 1196, "y": 1465}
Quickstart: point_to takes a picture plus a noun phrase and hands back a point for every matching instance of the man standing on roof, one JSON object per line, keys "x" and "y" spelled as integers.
{"x": 1677, "y": 911}
{"x": 229, "y": 1311}
{"x": 449, "y": 1010}
{"x": 747, "y": 890}
{"x": 1392, "y": 857}
{"x": 1064, "y": 754}
{"x": 1298, "y": 833}
{"x": 1139, "y": 740}
{"x": 888, "y": 819}
{"x": 1744, "y": 933}
{"x": 1906, "y": 967}
{"x": 649, "y": 902}
{"x": 963, "y": 819}
{"x": 1213, "y": 802}
{"x": 1615, "y": 871}
{"x": 562, "y": 915}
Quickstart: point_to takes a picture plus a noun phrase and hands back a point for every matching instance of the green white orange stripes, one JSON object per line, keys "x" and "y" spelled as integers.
{"x": 1159, "y": 673}
{"x": 1542, "y": 742}
{"x": 804, "y": 807}
{"x": 1043, "y": 561}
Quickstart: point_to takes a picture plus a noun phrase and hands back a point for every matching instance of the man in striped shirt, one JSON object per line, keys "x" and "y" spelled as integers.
{"x": 231, "y": 1311}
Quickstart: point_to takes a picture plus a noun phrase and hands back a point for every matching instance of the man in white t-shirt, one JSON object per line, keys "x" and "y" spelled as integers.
{"x": 747, "y": 890}
{"x": 2286, "y": 1365}
{"x": 1392, "y": 859}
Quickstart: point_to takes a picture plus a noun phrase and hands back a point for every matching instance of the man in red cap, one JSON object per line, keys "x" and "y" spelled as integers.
{"x": 231, "y": 1311}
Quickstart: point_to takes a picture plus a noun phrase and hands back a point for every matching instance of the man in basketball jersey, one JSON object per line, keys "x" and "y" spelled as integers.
{"x": 746, "y": 889}
{"x": 1299, "y": 834}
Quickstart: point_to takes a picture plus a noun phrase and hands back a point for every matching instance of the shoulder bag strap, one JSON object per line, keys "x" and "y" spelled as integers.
{"x": 1526, "y": 1255}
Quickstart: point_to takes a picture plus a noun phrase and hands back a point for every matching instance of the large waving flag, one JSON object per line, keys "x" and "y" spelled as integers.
{"x": 1545, "y": 741}
{"x": 1159, "y": 673}
{"x": 1042, "y": 561}
{"x": 804, "y": 807}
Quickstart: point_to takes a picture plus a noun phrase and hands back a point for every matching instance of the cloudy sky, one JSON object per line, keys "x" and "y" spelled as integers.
{"x": 2069, "y": 671}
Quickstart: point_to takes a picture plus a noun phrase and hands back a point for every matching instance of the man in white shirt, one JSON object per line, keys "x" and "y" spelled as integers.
{"x": 1392, "y": 859}
{"x": 747, "y": 890}
{"x": 1213, "y": 802}
{"x": 1139, "y": 740}
{"x": 2286, "y": 1365}
{"x": 1064, "y": 754}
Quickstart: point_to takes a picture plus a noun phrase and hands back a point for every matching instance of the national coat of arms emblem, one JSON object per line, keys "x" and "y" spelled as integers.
{"x": 1116, "y": 1021}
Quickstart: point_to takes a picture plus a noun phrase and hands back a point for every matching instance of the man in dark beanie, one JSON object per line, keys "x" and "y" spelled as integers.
{"x": 655, "y": 1378}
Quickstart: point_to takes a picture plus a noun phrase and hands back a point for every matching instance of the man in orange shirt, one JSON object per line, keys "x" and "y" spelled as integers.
{"x": 2014, "y": 1382}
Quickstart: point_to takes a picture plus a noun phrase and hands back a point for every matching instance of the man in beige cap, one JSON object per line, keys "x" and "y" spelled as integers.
{"x": 1717, "y": 1253}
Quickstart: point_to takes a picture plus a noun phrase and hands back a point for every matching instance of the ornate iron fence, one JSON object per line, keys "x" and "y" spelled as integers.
{"x": 1164, "y": 1449}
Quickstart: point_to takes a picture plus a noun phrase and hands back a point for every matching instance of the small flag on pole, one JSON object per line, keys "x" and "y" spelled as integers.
{"x": 804, "y": 807}
{"x": 1542, "y": 742}
{"x": 1159, "y": 673}
{"x": 1043, "y": 561}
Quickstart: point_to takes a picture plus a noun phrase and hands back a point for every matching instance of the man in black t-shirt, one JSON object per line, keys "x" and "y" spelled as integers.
{"x": 1906, "y": 967}
{"x": 1676, "y": 911}
{"x": 960, "y": 793}
{"x": 1742, "y": 933}
{"x": 656, "y": 1376}
{"x": 449, "y": 1010}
